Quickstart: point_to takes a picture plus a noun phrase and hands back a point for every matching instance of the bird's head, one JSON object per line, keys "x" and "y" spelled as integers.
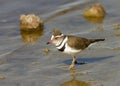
{"x": 56, "y": 37}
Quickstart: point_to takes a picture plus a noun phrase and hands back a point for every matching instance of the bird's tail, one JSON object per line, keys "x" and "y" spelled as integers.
{"x": 96, "y": 40}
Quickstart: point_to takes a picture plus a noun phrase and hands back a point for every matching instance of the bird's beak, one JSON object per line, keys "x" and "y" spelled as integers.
{"x": 49, "y": 42}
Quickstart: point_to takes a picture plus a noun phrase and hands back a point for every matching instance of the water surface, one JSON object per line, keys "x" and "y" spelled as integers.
{"x": 26, "y": 64}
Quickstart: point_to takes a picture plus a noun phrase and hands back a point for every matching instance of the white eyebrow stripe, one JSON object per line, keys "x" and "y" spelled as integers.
{"x": 59, "y": 35}
{"x": 52, "y": 37}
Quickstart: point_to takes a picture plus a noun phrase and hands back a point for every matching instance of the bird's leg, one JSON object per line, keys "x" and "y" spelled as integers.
{"x": 73, "y": 63}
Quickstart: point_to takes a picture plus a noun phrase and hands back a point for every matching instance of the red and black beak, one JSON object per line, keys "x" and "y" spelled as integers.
{"x": 49, "y": 42}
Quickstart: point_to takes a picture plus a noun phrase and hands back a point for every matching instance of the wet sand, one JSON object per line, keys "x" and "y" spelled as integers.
{"x": 24, "y": 63}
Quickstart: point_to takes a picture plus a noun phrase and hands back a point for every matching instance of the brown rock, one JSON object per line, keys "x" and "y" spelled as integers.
{"x": 2, "y": 77}
{"x": 96, "y": 10}
{"x": 30, "y": 21}
{"x": 95, "y": 13}
{"x": 46, "y": 50}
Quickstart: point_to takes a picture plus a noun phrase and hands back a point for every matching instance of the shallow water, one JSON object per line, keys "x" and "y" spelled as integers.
{"x": 24, "y": 63}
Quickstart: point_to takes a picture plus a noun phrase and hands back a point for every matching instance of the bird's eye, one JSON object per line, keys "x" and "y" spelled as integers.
{"x": 56, "y": 38}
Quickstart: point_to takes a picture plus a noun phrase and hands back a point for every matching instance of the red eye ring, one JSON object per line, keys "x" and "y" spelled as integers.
{"x": 55, "y": 37}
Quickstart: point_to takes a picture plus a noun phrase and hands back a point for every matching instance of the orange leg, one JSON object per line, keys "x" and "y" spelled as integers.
{"x": 73, "y": 63}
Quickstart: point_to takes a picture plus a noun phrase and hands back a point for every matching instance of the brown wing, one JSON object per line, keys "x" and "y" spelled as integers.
{"x": 78, "y": 42}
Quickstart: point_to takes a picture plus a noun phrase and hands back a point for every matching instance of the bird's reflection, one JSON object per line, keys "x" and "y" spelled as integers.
{"x": 74, "y": 81}
{"x": 31, "y": 36}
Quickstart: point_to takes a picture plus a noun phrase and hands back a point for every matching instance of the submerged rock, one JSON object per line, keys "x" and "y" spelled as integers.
{"x": 116, "y": 27}
{"x": 117, "y": 34}
{"x": 75, "y": 82}
{"x": 95, "y": 19}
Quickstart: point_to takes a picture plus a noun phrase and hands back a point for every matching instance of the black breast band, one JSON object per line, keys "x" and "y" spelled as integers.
{"x": 63, "y": 48}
